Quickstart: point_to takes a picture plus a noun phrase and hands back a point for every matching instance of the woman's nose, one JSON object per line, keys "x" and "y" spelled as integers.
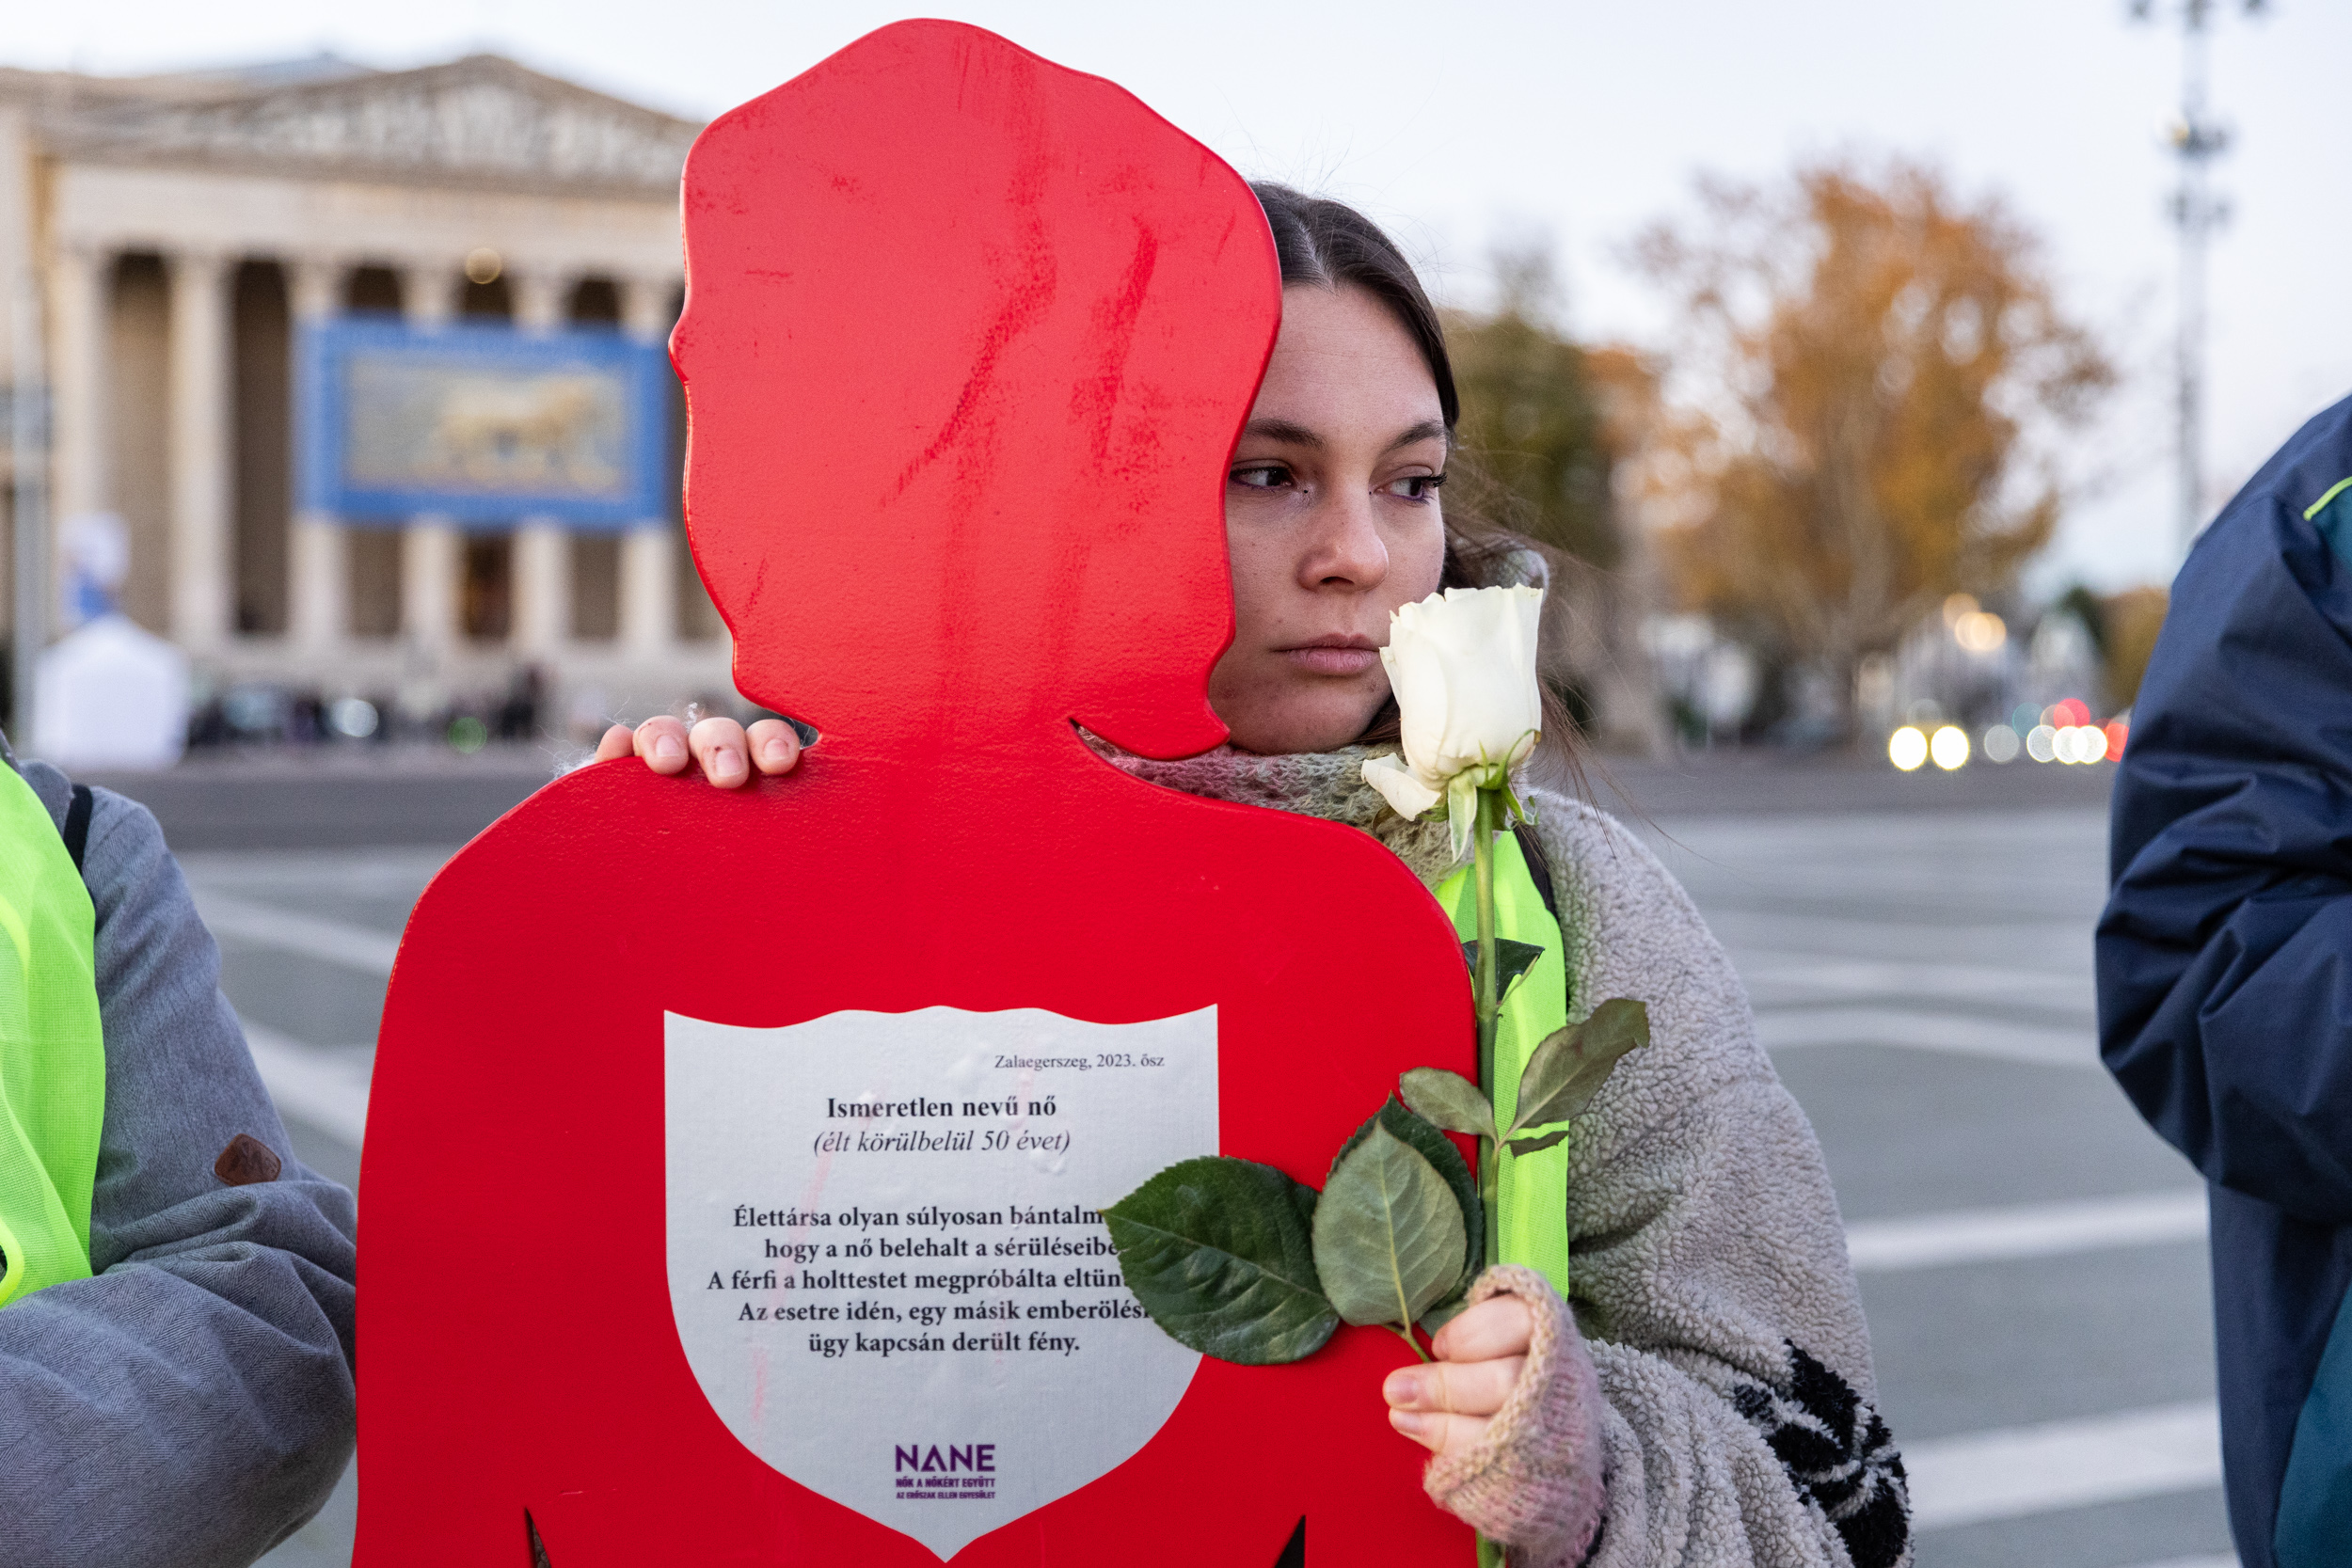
{"x": 1345, "y": 548}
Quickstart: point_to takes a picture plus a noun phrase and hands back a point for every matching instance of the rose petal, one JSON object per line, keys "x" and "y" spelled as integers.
{"x": 1462, "y": 665}
{"x": 1406, "y": 794}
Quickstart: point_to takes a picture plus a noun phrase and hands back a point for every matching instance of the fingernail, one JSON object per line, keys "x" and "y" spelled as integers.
{"x": 725, "y": 762}
{"x": 1402, "y": 1387}
{"x": 1408, "y": 1422}
{"x": 776, "y": 750}
{"x": 669, "y": 748}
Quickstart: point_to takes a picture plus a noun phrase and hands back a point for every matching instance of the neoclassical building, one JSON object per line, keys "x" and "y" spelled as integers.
{"x": 183, "y": 245}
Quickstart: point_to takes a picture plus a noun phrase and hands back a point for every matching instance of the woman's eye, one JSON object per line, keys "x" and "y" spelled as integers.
{"x": 1420, "y": 487}
{"x": 1263, "y": 476}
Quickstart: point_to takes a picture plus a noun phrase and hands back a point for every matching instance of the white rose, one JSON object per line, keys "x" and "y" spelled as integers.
{"x": 1462, "y": 664}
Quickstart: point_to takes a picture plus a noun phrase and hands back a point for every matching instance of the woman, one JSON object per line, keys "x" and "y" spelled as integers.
{"x": 1708, "y": 1402}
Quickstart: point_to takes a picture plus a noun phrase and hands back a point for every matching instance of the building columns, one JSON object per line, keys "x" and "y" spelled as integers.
{"x": 649, "y": 557}
{"x": 431, "y": 551}
{"x": 542, "y": 564}
{"x": 649, "y": 570}
{"x": 542, "y": 559}
{"x": 78, "y": 296}
{"x": 430, "y": 548}
{"x": 202, "y": 399}
{"x": 319, "y": 570}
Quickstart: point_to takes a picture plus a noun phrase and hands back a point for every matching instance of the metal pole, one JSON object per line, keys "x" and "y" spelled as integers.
{"x": 2195, "y": 213}
{"x": 28, "y": 442}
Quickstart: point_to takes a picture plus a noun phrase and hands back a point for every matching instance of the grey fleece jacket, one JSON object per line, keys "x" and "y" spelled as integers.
{"x": 1709, "y": 1271}
{"x": 190, "y": 1405}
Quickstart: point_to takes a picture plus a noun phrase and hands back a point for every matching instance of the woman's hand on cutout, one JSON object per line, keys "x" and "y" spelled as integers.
{"x": 724, "y": 750}
{"x": 1445, "y": 1405}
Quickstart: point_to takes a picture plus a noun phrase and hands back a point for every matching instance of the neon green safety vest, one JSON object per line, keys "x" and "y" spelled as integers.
{"x": 53, "y": 1056}
{"x": 1531, "y": 1195}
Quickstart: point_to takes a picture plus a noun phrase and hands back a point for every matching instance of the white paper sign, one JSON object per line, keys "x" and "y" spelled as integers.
{"x": 886, "y": 1264}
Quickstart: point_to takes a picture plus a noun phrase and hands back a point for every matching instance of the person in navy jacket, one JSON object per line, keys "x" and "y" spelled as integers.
{"x": 2225, "y": 969}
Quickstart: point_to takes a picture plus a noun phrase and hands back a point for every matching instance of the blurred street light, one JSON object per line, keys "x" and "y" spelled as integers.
{"x": 1907, "y": 748}
{"x": 1949, "y": 746}
{"x": 1979, "y": 631}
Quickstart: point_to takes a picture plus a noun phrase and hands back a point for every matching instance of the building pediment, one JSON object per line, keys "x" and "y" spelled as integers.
{"x": 482, "y": 119}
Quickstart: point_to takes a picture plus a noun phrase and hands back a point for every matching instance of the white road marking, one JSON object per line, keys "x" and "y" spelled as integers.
{"x": 2220, "y": 1559}
{"x": 2026, "y": 1230}
{"x": 328, "y": 1089}
{"x": 1967, "y": 1034}
{"x": 336, "y": 941}
{"x": 1778, "y": 977}
{"x": 2055, "y": 1466}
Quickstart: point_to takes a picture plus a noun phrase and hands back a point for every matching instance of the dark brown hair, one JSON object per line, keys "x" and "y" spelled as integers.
{"x": 1329, "y": 244}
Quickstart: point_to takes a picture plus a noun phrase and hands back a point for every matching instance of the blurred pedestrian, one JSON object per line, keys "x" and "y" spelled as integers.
{"x": 2225, "y": 969}
{"x": 176, "y": 1290}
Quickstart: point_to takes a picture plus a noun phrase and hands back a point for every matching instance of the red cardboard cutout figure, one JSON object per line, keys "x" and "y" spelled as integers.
{"x": 968, "y": 341}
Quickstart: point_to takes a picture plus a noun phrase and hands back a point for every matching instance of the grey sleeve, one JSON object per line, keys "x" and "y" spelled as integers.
{"x": 191, "y": 1405}
{"x": 1709, "y": 1268}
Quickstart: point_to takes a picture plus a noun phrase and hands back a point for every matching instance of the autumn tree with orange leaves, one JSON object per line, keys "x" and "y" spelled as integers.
{"x": 1866, "y": 365}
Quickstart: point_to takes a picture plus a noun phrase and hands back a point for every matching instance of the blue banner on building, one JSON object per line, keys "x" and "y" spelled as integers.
{"x": 483, "y": 423}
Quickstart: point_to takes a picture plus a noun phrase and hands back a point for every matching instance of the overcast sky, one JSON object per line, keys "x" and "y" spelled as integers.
{"x": 1576, "y": 122}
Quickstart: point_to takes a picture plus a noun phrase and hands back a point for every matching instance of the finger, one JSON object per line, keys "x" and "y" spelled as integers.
{"x": 1492, "y": 1329}
{"x": 616, "y": 743}
{"x": 1443, "y": 1435}
{"x": 1453, "y": 1388}
{"x": 775, "y": 745}
{"x": 662, "y": 743}
{"x": 718, "y": 745}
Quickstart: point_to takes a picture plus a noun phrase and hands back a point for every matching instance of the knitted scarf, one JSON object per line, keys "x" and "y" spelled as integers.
{"x": 1329, "y": 784}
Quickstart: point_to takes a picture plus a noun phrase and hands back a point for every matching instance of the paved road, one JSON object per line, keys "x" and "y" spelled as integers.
{"x": 2031, "y": 1257}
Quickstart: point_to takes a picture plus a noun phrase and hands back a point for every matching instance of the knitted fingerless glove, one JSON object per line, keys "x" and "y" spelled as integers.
{"x": 1533, "y": 1482}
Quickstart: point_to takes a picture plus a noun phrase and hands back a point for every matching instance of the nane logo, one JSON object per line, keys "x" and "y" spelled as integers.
{"x": 977, "y": 1458}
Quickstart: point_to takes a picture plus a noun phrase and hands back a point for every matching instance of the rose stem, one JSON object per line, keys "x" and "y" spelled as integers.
{"x": 1489, "y": 1016}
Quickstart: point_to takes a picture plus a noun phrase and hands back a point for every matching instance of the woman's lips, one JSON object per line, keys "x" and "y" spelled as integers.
{"x": 1334, "y": 656}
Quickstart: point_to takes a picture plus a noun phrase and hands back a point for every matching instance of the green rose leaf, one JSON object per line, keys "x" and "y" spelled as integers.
{"x": 1220, "y": 1253}
{"x": 1512, "y": 960}
{"x": 1449, "y": 1100}
{"x": 1438, "y": 1150}
{"x": 1389, "y": 1238}
{"x": 1536, "y": 1143}
{"x": 1569, "y": 1068}
{"x": 1443, "y": 1313}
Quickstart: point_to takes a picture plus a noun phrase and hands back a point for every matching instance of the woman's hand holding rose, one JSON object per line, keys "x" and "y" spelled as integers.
{"x": 1445, "y": 1406}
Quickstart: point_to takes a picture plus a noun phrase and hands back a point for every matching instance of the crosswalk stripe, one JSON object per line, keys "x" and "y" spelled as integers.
{"x": 1769, "y": 970}
{"x": 2053, "y": 1465}
{"x": 1966, "y": 1034}
{"x": 2026, "y": 1230}
{"x": 328, "y": 1089}
{"x": 335, "y": 941}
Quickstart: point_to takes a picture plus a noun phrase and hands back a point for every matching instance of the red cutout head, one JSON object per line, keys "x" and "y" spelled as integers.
{"x": 895, "y": 525}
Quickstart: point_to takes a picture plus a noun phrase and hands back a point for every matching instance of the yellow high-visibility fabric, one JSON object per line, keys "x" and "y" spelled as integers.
{"x": 1531, "y": 1194}
{"x": 53, "y": 1053}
